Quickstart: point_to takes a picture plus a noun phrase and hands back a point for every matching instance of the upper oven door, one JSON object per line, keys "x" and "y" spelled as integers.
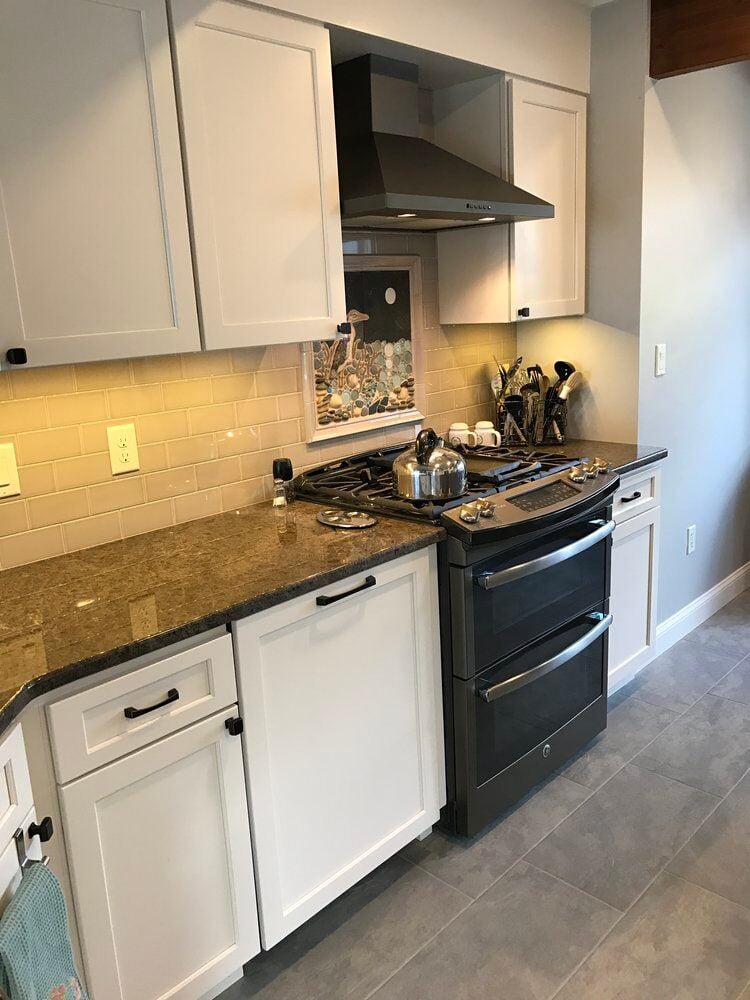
{"x": 518, "y": 597}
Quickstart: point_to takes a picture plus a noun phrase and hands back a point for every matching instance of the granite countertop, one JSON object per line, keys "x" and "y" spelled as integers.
{"x": 74, "y": 615}
{"x": 624, "y": 458}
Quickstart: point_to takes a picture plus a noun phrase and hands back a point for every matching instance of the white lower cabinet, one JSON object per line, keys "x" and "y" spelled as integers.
{"x": 635, "y": 551}
{"x": 161, "y": 863}
{"x": 341, "y": 695}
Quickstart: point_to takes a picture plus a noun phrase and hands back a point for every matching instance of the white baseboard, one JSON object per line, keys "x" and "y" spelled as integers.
{"x": 677, "y": 626}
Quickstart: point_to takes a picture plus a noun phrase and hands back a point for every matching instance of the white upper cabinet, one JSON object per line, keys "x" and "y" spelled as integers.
{"x": 534, "y": 269}
{"x": 548, "y": 157}
{"x": 257, "y": 106}
{"x": 94, "y": 248}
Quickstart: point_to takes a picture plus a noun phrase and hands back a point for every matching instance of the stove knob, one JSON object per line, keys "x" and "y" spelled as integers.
{"x": 601, "y": 465}
{"x": 469, "y": 512}
{"x": 577, "y": 474}
{"x": 589, "y": 470}
{"x": 486, "y": 508}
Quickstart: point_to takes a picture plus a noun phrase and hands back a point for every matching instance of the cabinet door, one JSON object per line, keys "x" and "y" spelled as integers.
{"x": 548, "y": 157}
{"x": 94, "y": 248}
{"x": 257, "y": 107}
{"x": 635, "y": 549}
{"x": 343, "y": 734}
{"x": 161, "y": 865}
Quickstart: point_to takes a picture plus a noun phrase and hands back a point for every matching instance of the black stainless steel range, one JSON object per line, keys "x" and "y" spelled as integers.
{"x": 524, "y": 593}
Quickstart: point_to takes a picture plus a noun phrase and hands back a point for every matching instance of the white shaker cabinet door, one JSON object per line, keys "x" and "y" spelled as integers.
{"x": 548, "y": 157}
{"x": 632, "y": 637}
{"x": 343, "y": 733}
{"x": 257, "y": 107}
{"x": 94, "y": 247}
{"x": 161, "y": 866}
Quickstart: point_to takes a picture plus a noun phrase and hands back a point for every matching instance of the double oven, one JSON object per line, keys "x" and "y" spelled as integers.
{"x": 524, "y": 641}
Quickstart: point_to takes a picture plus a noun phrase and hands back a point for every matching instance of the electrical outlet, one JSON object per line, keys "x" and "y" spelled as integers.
{"x": 691, "y": 539}
{"x": 660, "y": 360}
{"x": 123, "y": 448}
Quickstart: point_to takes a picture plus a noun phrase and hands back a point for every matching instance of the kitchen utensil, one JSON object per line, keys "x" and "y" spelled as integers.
{"x": 574, "y": 381}
{"x": 563, "y": 370}
{"x": 346, "y": 518}
{"x": 429, "y": 470}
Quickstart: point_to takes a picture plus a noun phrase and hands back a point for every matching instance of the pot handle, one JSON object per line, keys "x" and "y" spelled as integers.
{"x": 426, "y": 441}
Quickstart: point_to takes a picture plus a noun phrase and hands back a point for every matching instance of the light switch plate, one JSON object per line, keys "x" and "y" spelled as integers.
{"x": 123, "y": 448}
{"x": 9, "y": 485}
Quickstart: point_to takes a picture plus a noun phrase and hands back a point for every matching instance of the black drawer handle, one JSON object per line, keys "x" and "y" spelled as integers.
{"x": 135, "y": 713}
{"x": 44, "y": 830}
{"x": 635, "y": 496}
{"x": 324, "y": 601}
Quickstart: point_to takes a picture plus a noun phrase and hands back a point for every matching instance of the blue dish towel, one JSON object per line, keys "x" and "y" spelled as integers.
{"x": 36, "y": 962}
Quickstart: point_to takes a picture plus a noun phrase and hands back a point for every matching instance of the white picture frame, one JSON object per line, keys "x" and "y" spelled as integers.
{"x": 314, "y": 431}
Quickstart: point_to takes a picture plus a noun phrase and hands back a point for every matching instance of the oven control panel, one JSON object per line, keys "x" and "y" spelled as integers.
{"x": 479, "y": 521}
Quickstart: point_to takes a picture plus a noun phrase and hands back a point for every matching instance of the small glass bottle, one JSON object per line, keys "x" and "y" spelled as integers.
{"x": 279, "y": 504}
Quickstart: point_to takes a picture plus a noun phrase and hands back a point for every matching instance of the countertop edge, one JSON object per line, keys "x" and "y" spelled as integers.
{"x": 642, "y": 463}
{"x": 39, "y": 686}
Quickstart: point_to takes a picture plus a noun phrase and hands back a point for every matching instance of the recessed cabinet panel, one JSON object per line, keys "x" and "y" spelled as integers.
{"x": 633, "y": 596}
{"x": 343, "y": 734}
{"x": 548, "y": 157}
{"x": 257, "y": 105}
{"x": 161, "y": 864}
{"x": 94, "y": 248}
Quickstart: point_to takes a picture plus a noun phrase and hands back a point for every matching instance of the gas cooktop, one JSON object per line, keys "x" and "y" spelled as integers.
{"x": 366, "y": 481}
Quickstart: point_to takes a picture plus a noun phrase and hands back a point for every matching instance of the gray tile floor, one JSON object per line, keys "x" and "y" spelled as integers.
{"x": 624, "y": 877}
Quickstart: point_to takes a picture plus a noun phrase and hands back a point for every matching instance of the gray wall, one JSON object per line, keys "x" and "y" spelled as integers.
{"x": 604, "y": 343}
{"x": 695, "y": 297}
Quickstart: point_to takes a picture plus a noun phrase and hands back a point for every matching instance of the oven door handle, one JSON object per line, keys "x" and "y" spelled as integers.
{"x": 496, "y": 691}
{"x": 491, "y": 580}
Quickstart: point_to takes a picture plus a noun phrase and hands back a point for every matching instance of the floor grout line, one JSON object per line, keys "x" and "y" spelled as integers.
{"x": 572, "y": 885}
{"x": 703, "y": 888}
{"x": 420, "y": 949}
{"x": 426, "y": 871}
{"x": 643, "y": 892}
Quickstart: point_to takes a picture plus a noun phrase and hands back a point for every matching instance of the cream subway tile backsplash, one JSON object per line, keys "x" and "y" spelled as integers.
{"x": 117, "y": 494}
{"x": 14, "y": 517}
{"x": 208, "y": 425}
{"x": 58, "y": 442}
{"x": 58, "y": 508}
{"x": 90, "y": 531}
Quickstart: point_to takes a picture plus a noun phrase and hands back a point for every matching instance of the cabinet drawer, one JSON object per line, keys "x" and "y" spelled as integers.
{"x": 112, "y": 719}
{"x": 636, "y": 494}
{"x": 15, "y": 785}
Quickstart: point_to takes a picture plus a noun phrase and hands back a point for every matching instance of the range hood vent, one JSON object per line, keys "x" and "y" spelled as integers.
{"x": 390, "y": 178}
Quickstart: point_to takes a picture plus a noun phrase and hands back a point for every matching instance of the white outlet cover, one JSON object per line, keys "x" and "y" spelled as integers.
{"x": 9, "y": 484}
{"x": 123, "y": 449}
{"x": 660, "y": 360}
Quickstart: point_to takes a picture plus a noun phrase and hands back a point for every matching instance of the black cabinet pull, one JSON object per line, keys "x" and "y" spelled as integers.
{"x": 345, "y": 328}
{"x": 635, "y": 496}
{"x": 234, "y": 726}
{"x": 43, "y": 830}
{"x": 135, "y": 713}
{"x": 324, "y": 601}
{"x": 16, "y": 356}
{"x": 524, "y": 312}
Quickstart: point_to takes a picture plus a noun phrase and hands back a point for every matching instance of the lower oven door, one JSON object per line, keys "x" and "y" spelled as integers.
{"x": 525, "y": 716}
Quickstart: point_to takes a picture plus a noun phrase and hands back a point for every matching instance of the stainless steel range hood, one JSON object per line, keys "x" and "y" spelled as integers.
{"x": 390, "y": 178}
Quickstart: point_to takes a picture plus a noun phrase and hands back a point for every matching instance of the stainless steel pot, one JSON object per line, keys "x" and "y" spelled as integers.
{"x": 429, "y": 470}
